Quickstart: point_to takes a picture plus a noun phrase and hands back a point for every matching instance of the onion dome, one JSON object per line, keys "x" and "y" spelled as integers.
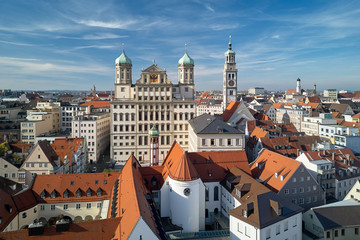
{"x": 123, "y": 59}
{"x": 154, "y": 132}
{"x": 230, "y": 51}
{"x": 186, "y": 59}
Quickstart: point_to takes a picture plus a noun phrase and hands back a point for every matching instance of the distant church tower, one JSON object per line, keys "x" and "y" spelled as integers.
{"x": 298, "y": 86}
{"x": 154, "y": 146}
{"x": 229, "y": 77}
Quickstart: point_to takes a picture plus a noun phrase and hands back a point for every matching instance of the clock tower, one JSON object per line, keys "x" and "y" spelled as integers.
{"x": 229, "y": 77}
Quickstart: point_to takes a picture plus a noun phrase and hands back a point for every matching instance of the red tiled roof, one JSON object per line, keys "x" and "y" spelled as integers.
{"x": 205, "y": 95}
{"x": 278, "y": 105}
{"x": 73, "y": 182}
{"x": 268, "y": 163}
{"x": 356, "y": 115}
{"x": 178, "y": 166}
{"x": 290, "y": 91}
{"x": 131, "y": 201}
{"x": 314, "y": 99}
{"x": 251, "y": 124}
{"x": 66, "y": 147}
{"x": 97, "y": 104}
{"x": 259, "y": 133}
{"x": 8, "y": 210}
{"x": 335, "y": 114}
{"x": 351, "y": 124}
{"x": 229, "y": 111}
{"x": 93, "y": 230}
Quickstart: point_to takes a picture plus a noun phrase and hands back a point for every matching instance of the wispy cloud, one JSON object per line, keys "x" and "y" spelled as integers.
{"x": 102, "y": 24}
{"x": 208, "y": 7}
{"x": 16, "y": 43}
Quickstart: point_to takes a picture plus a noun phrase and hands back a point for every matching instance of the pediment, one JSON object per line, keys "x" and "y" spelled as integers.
{"x": 153, "y": 69}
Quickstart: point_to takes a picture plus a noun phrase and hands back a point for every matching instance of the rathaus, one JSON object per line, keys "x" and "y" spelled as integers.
{"x": 151, "y": 100}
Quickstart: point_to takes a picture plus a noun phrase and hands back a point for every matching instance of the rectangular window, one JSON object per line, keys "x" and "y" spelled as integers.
{"x": 42, "y": 207}
{"x": 277, "y": 229}
{"x": 88, "y": 205}
{"x": 52, "y": 207}
{"x": 286, "y": 226}
{"x": 203, "y": 142}
{"x": 78, "y": 206}
{"x": 66, "y": 206}
{"x": 212, "y": 142}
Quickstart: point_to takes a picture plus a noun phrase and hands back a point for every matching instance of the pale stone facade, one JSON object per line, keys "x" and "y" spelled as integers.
{"x": 95, "y": 128}
{"x": 152, "y": 100}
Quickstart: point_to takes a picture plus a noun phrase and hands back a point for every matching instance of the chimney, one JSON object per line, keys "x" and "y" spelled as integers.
{"x": 333, "y": 156}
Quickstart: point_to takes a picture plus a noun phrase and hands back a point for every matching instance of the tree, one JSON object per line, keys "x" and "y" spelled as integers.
{"x": 16, "y": 158}
{"x": 3, "y": 148}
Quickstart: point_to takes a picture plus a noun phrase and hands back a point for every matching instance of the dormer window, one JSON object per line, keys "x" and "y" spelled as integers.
{"x": 42, "y": 194}
{"x": 88, "y": 192}
{"x": 154, "y": 181}
{"x": 66, "y": 194}
{"x": 99, "y": 192}
{"x": 78, "y": 193}
{"x": 53, "y": 194}
{"x": 8, "y": 208}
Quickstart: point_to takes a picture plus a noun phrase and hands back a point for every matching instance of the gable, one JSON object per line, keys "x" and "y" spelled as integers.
{"x": 153, "y": 68}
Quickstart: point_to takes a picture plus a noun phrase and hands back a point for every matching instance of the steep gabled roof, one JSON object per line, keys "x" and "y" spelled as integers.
{"x": 130, "y": 201}
{"x": 209, "y": 166}
{"x": 270, "y": 166}
{"x": 178, "y": 166}
{"x": 261, "y": 204}
{"x": 229, "y": 111}
{"x": 73, "y": 182}
{"x": 48, "y": 151}
{"x": 8, "y": 209}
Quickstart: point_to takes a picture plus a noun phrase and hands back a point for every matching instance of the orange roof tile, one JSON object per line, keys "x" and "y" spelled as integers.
{"x": 278, "y": 105}
{"x": 97, "y": 104}
{"x": 177, "y": 165}
{"x": 72, "y": 182}
{"x": 209, "y": 166}
{"x": 268, "y": 163}
{"x": 356, "y": 115}
{"x": 8, "y": 210}
{"x": 66, "y": 147}
{"x": 229, "y": 111}
{"x": 205, "y": 95}
{"x": 251, "y": 124}
{"x": 335, "y": 114}
{"x": 351, "y": 124}
{"x": 259, "y": 133}
{"x": 93, "y": 230}
{"x": 290, "y": 91}
{"x": 131, "y": 201}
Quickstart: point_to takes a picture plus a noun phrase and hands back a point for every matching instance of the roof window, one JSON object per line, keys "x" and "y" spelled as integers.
{"x": 71, "y": 183}
{"x": 88, "y": 192}
{"x": 43, "y": 194}
{"x": 78, "y": 193}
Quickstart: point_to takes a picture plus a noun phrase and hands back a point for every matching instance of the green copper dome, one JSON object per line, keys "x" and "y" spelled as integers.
{"x": 154, "y": 132}
{"x": 229, "y": 51}
{"x": 186, "y": 60}
{"x": 123, "y": 59}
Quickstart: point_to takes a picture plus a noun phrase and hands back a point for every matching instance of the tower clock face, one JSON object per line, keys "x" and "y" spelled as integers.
{"x": 154, "y": 78}
{"x": 231, "y": 83}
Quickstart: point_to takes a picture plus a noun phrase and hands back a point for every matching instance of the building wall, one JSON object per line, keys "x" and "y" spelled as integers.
{"x": 9, "y": 171}
{"x": 142, "y": 231}
{"x": 96, "y": 130}
{"x": 329, "y": 131}
{"x": 38, "y": 124}
{"x": 66, "y": 116}
{"x": 343, "y": 186}
{"x": 228, "y": 201}
{"x": 302, "y": 189}
{"x": 45, "y": 210}
{"x": 215, "y": 142}
{"x": 186, "y": 211}
{"x": 242, "y": 230}
{"x": 211, "y": 203}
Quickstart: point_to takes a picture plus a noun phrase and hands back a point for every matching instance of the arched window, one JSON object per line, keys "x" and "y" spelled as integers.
{"x": 216, "y": 193}
{"x": 216, "y": 210}
{"x": 206, "y": 194}
{"x": 206, "y": 213}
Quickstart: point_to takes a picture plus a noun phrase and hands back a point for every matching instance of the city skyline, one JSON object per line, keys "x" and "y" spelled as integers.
{"x": 73, "y": 45}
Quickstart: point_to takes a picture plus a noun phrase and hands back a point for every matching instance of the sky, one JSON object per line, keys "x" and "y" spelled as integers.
{"x": 72, "y": 45}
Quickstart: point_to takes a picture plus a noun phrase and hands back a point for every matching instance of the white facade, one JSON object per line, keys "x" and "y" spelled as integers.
{"x": 331, "y": 93}
{"x": 209, "y": 108}
{"x": 256, "y": 90}
{"x": 215, "y": 142}
{"x": 310, "y": 125}
{"x": 142, "y": 231}
{"x": 66, "y": 116}
{"x": 182, "y": 201}
{"x": 288, "y": 228}
{"x": 95, "y": 128}
{"x": 229, "y": 77}
{"x": 329, "y": 131}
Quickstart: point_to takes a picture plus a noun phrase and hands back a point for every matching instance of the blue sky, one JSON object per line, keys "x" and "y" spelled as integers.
{"x": 73, "y": 44}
